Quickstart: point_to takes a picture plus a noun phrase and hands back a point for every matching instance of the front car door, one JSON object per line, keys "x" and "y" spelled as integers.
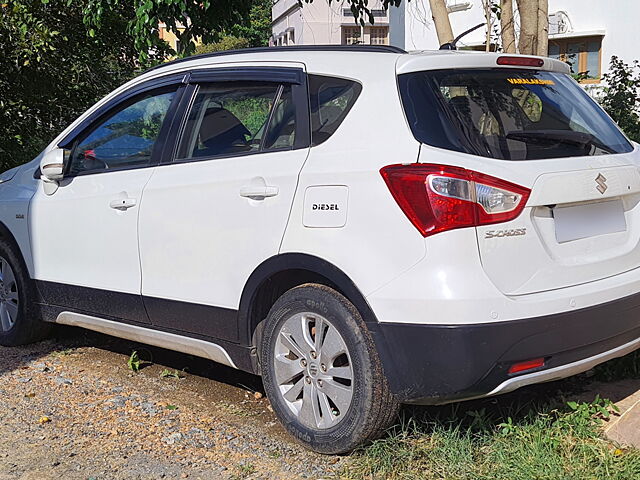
{"x": 85, "y": 235}
{"x": 220, "y": 208}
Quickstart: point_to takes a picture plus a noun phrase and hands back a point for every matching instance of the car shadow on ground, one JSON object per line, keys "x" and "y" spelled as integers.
{"x": 614, "y": 380}
{"x": 66, "y": 338}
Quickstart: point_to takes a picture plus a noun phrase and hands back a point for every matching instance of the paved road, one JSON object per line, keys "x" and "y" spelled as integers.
{"x": 105, "y": 422}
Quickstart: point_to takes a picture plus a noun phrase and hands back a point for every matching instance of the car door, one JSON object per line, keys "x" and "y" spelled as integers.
{"x": 85, "y": 234}
{"x": 220, "y": 208}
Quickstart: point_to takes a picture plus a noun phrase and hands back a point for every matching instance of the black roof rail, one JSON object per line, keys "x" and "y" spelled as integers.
{"x": 295, "y": 48}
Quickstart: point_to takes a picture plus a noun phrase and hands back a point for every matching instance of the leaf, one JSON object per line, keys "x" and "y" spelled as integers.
{"x": 169, "y": 374}
{"x": 134, "y": 362}
{"x": 572, "y": 405}
{"x": 171, "y": 407}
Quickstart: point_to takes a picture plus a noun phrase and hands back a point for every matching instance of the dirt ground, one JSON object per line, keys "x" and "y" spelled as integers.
{"x": 70, "y": 408}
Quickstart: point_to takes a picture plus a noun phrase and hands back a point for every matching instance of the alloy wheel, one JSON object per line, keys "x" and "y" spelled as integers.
{"x": 9, "y": 300}
{"x": 313, "y": 370}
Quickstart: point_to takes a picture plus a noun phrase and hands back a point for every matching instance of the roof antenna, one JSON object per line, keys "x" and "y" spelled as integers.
{"x": 452, "y": 45}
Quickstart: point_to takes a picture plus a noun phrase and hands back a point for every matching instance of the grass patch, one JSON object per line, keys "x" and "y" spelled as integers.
{"x": 519, "y": 437}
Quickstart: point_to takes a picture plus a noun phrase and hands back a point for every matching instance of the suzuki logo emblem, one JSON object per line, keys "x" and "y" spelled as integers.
{"x": 602, "y": 183}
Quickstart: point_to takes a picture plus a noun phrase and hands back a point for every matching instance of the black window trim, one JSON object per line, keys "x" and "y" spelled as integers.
{"x": 294, "y": 76}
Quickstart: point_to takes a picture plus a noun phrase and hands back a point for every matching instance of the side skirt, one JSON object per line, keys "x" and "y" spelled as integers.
{"x": 170, "y": 341}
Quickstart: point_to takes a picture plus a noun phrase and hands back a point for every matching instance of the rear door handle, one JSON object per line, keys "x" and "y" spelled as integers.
{"x": 122, "y": 203}
{"x": 258, "y": 192}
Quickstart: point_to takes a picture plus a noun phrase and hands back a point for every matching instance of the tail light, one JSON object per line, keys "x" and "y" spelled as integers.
{"x": 437, "y": 198}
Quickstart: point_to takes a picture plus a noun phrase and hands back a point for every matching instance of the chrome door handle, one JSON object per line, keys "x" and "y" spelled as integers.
{"x": 259, "y": 192}
{"x": 123, "y": 203}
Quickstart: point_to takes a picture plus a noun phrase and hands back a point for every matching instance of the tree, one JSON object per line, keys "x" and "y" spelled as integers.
{"x": 187, "y": 19}
{"x": 507, "y": 27}
{"x": 533, "y": 35}
{"x": 621, "y": 97}
{"x": 52, "y": 69}
{"x": 255, "y": 33}
{"x": 440, "y": 17}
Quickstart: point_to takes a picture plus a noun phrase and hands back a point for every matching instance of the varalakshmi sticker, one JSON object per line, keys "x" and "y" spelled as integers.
{"x": 530, "y": 81}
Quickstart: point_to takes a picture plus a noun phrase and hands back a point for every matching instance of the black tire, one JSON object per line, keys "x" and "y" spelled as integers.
{"x": 28, "y": 327}
{"x": 372, "y": 408}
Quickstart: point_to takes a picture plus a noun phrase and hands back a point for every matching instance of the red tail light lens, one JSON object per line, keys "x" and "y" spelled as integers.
{"x": 437, "y": 198}
{"x": 521, "y": 61}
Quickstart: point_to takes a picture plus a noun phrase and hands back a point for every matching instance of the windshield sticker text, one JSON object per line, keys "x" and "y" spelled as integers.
{"x": 530, "y": 81}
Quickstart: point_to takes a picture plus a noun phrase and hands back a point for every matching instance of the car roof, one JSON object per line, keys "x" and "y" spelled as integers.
{"x": 353, "y": 61}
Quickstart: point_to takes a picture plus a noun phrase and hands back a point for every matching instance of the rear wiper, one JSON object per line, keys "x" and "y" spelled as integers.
{"x": 581, "y": 139}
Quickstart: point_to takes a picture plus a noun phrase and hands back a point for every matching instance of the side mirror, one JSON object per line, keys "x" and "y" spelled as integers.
{"x": 52, "y": 169}
{"x": 52, "y": 165}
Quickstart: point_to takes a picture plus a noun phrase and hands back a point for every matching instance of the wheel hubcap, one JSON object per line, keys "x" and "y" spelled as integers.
{"x": 313, "y": 370}
{"x": 8, "y": 296}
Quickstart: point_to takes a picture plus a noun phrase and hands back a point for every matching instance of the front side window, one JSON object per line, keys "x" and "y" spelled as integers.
{"x": 238, "y": 118}
{"x": 125, "y": 139}
{"x": 507, "y": 114}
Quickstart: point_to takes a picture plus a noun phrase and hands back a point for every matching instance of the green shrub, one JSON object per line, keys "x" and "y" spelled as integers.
{"x": 620, "y": 96}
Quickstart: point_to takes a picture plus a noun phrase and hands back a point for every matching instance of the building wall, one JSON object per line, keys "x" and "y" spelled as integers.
{"x": 317, "y": 23}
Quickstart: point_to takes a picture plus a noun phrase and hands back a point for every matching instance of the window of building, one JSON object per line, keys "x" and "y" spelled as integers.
{"x": 584, "y": 55}
{"x": 379, "y": 35}
{"x": 370, "y": 35}
{"x": 376, "y": 12}
{"x": 351, "y": 35}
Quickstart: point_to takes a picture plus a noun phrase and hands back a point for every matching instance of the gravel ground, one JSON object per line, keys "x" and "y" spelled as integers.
{"x": 70, "y": 408}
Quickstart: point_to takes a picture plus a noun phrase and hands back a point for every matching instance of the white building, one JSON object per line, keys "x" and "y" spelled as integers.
{"x": 585, "y": 32}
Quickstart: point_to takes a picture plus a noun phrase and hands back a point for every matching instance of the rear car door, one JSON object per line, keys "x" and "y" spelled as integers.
{"x": 220, "y": 208}
{"x": 85, "y": 235}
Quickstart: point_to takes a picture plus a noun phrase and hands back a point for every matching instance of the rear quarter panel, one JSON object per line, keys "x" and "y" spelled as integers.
{"x": 375, "y": 243}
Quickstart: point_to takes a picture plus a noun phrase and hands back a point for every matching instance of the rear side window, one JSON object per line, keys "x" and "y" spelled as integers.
{"x": 507, "y": 114}
{"x": 330, "y": 100}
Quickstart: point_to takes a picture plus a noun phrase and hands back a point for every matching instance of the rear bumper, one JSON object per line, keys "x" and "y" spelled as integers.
{"x": 438, "y": 363}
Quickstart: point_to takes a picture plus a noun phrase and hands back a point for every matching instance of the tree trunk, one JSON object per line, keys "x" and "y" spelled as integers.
{"x": 528, "y": 41}
{"x": 506, "y": 26}
{"x": 487, "y": 16}
{"x": 543, "y": 28}
{"x": 441, "y": 20}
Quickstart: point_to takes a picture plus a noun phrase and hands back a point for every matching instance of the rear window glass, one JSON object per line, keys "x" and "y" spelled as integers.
{"x": 330, "y": 100}
{"x": 507, "y": 114}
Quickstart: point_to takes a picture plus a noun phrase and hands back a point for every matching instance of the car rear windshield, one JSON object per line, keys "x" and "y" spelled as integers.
{"x": 507, "y": 114}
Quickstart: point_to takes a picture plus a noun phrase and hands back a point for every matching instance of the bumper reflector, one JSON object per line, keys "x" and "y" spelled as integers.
{"x": 524, "y": 366}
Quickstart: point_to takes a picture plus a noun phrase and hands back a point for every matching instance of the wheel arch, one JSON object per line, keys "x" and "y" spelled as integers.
{"x": 7, "y": 234}
{"x": 282, "y": 272}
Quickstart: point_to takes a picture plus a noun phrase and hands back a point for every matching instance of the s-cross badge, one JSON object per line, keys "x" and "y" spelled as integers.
{"x": 602, "y": 183}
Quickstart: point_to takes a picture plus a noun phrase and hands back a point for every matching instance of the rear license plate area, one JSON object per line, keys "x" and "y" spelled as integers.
{"x": 589, "y": 220}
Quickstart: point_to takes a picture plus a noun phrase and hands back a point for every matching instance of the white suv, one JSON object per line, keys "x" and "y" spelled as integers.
{"x": 361, "y": 226}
